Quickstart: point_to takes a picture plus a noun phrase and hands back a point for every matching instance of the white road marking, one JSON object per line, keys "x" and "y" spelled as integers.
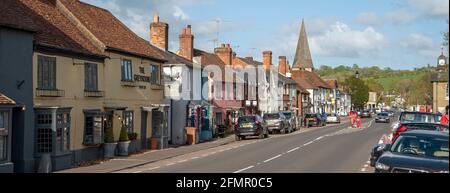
{"x": 366, "y": 165}
{"x": 268, "y": 160}
{"x": 170, "y": 164}
{"x": 241, "y": 170}
{"x": 295, "y": 149}
{"x": 181, "y": 161}
{"x": 194, "y": 158}
{"x": 309, "y": 143}
{"x": 319, "y": 138}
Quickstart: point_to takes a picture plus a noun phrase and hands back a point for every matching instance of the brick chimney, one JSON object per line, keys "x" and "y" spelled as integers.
{"x": 225, "y": 53}
{"x": 187, "y": 43}
{"x": 267, "y": 59}
{"x": 159, "y": 33}
{"x": 282, "y": 64}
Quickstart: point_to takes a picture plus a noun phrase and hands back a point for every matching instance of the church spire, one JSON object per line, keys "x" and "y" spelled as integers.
{"x": 303, "y": 60}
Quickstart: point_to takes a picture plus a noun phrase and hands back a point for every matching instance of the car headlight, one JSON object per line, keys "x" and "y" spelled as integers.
{"x": 381, "y": 166}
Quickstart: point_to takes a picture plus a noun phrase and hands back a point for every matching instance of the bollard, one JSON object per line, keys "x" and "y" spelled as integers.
{"x": 45, "y": 164}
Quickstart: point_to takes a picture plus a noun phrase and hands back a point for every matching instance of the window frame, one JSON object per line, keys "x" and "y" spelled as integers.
{"x": 98, "y": 135}
{"x": 127, "y": 70}
{"x": 51, "y": 126}
{"x": 155, "y": 78}
{"x": 91, "y": 77}
{"x": 127, "y": 123}
{"x": 6, "y": 135}
{"x": 46, "y": 69}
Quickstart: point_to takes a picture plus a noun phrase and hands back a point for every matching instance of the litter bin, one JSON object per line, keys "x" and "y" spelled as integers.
{"x": 191, "y": 135}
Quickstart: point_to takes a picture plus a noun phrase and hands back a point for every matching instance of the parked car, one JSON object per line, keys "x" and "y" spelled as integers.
{"x": 276, "y": 122}
{"x": 333, "y": 118}
{"x": 382, "y": 117}
{"x": 401, "y": 128}
{"x": 251, "y": 126}
{"x": 366, "y": 114}
{"x": 391, "y": 113}
{"x": 415, "y": 151}
{"x": 314, "y": 120}
{"x": 292, "y": 120}
{"x": 419, "y": 117}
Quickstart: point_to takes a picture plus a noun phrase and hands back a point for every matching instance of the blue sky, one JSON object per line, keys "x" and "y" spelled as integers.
{"x": 401, "y": 34}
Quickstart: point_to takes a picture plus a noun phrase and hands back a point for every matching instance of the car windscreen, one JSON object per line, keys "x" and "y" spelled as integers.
{"x": 421, "y": 146}
{"x": 246, "y": 120}
{"x": 383, "y": 114}
{"x": 271, "y": 116}
{"x": 419, "y": 118}
{"x": 288, "y": 115}
{"x": 310, "y": 116}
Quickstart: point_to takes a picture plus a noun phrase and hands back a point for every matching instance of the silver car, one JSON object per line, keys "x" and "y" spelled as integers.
{"x": 276, "y": 122}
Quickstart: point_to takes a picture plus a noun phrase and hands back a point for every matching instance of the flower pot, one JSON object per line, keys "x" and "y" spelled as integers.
{"x": 123, "y": 148}
{"x": 109, "y": 150}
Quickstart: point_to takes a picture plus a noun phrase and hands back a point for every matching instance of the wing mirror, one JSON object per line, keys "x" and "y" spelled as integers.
{"x": 383, "y": 147}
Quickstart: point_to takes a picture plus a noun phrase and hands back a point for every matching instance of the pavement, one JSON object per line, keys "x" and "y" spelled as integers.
{"x": 330, "y": 149}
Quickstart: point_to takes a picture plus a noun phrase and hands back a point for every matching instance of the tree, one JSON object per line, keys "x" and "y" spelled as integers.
{"x": 358, "y": 90}
{"x": 445, "y": 34}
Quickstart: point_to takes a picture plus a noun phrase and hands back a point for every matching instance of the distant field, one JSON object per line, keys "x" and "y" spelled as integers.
{"x": 388, "y": 82}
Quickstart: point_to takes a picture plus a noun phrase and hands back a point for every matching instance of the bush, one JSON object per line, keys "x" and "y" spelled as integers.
{"x": 109, "y": 136}
{"x": 124, "y": 135}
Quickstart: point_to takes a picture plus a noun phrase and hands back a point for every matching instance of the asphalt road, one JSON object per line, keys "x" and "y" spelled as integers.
{"x": 331, "y": 149}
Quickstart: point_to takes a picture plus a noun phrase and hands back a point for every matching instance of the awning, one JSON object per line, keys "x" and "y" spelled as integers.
{"x": 155, "y": 106}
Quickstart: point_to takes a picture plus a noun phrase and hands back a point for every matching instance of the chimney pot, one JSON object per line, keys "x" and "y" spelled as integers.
{"x": 189, "y": 30}
{"x": 156, "y": 18}
{"x": 222, "y": 45}
{"x": 187, "y": 43}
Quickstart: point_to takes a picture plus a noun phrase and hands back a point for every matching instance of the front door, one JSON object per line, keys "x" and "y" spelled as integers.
{"x": 144, "y": 144}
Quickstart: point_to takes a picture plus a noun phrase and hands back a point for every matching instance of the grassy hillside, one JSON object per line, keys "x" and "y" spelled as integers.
{"x": 388, "y": 82}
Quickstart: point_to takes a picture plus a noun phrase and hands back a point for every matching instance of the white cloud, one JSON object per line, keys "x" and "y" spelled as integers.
{"x": 434, "y": 8}
{"x": 342, "y": 41}
{"x": 400, "y": 16}
{"x": 368, "y": 18}
{"x": 419, "y": 44}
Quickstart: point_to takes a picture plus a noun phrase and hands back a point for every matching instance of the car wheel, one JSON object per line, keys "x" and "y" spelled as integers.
{"x": 243, "y": 138}
{"x": 237, "y": 138}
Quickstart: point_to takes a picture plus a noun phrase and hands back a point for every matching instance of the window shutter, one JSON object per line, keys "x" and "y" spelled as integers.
{"x": 95, "y": 77}
{"x": 40, "y": 75}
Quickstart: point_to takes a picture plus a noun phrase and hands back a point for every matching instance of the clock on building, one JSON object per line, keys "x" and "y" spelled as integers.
{"x": 442, "y": 60}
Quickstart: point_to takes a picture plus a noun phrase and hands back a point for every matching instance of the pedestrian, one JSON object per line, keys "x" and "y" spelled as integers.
{"x": 444, "y": 119}
{"x": 359, "y": 120}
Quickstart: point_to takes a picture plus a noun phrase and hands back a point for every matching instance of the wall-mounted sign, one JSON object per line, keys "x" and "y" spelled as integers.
{"x": 248, "y": 103}
{"x": 255, "y": 103}
{"x": 140, "y": 78}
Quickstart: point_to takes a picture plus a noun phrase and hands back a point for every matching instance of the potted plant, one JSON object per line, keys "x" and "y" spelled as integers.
{"x": 109, "y": 148}
{"x": 132, "y": 136}
{"x": 124, "y": 142}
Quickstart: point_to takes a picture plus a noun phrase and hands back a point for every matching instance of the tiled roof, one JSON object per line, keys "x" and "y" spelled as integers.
{"x": 212, "y": 59}
{"x": 312, "y": 79}
{"x": 109, "y": 30}
{"x": 332, "y": 83}
{"x": 52, "y": 28}
{"x": 303, "y": 57}
{"x": 4, "y": 100}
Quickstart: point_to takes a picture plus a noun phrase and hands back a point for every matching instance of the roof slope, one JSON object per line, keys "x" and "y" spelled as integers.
{"x": 303, "y": 57}
{"x": 109, "y": 30}
{"x": 4, "y": 100}
{"x": 52, "y": 28}
{"x": 309, "y": 80}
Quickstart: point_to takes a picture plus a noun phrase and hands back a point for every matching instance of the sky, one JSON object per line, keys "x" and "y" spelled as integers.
{"x": 400, "y": 34}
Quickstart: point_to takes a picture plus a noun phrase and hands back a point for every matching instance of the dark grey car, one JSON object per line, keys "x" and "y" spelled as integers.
{"x": 383, "y": 117}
